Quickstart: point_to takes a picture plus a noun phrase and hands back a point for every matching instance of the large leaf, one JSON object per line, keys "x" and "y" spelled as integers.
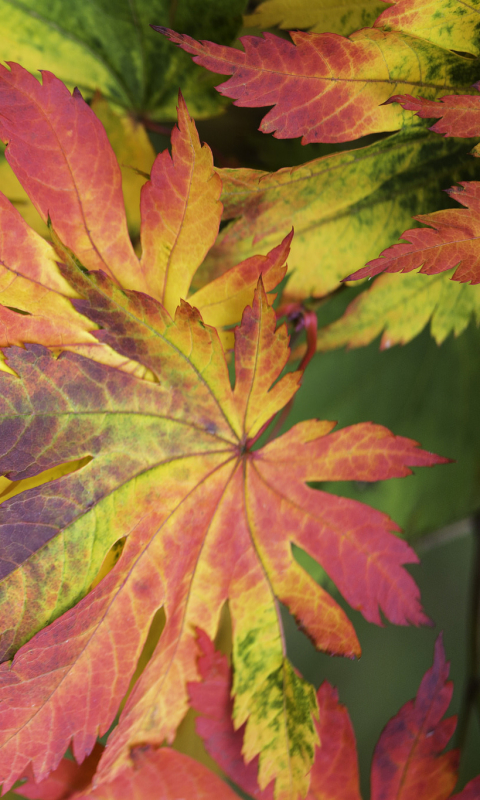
{"x": 94, "y": 45}
{"x": 327, "y": 88}
{"x": 450, "y": 241}
{"x": 449, "y": 23}
{"x": 336, "y": 16}
{"x": 193, "y": 491}
{"x": 344, "y": 207}
{"x": 399, "y": 306}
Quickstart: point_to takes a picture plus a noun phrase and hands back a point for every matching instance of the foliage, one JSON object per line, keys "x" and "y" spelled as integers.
{"x": 150, "y": 505}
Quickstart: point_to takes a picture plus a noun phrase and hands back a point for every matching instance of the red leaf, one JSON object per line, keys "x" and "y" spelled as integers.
{"x": 451, "y": 241}
{"x": 62, "y": 783}
{"x": 60, "y": 153}
{"x": 460, "y": 114}
{"x": 324, "y": 87}
{"x": 335, "y": 771}
{"x": 407, "y": 764}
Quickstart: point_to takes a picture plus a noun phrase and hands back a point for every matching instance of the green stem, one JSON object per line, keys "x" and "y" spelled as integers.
{"x": 471, "y": 697}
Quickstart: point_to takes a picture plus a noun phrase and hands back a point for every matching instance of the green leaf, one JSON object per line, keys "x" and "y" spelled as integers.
{"x": 344, "y": 207}
{"x": 97, "y": 44}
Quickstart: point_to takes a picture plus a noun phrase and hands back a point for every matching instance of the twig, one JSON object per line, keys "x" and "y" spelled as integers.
{"x": 471, "y": 697}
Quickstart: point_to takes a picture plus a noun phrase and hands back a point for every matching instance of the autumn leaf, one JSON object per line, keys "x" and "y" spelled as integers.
{"x": 70, "y": 172}
{"x": 327, "y": 88}
{"x": 399, "y": 306}
{"x": 448, "y": 23}
{"x": 99, "y": 47}
{"x": 460, "y": 114}
{"x": 335, "y": 771}
{"x": 408, "y": 760}
{"x": 343, "y": 17}
{"x": 450, "y": 241}
{"x": 163, "y": 774}
{"x": 248, "y": 498}
{"x": 135, "y": 155}
{"x": 344, "y": 208}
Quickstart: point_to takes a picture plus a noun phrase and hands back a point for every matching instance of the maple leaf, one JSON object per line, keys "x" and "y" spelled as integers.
{"x": 460, "y": 114}
{"x": 452, "y": 24}
{"x": 450, "y": 241}
{"x": 97, "y": 47}
{"x": 70, "y": 173}
{"x": 197, "y": 433}
{"x": 327, "y": 88}
{"x": 343, "y": 17}
{"x": 400, "y": 306}
{"x": 344, "y": 208}
{"x": 408, "y": 760}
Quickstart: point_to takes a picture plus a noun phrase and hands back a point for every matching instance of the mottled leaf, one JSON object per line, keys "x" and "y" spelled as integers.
{"x": 407, "y": 762}
{"x": 450, "y": 241}
{"x": 453, "y": 24}
{"x": 335, "y": 771}
{"x": 327, "y": 88}
{"x": 94, "y": 45}
{"x": 343, "y": 17}
{"x": 344, "y": 208}
{"x": 399, "y": 307}
{"x": 235, "y": 543}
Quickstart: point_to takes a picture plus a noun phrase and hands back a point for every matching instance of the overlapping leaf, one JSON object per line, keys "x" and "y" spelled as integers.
{"x": 460, "y": 114}
{"x": 327, "y": 88}
{"x": 70, "y": 173}
{"x": 452, "y": 24}
{"x": 163, "y": 774}
{"x": 408, "y": 763}
{"x": 399, "y": 307}
{"x": 344, "y": 207}
{"x": 195, "y": 433}
{"x": 93, "y": 45}
{"x": 450, "y": 242}
{"x": 343, "y": 17}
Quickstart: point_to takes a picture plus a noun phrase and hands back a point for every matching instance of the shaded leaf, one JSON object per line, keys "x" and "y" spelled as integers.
{"x": 327, "y": 88}
{"x": 65, "y": 781}
{"x": 399, "y": 307}
{"x": 448, "y": 23}
{"x": 344, "y": 207}
{"x": 343, "y": 17}
{"x": 407, "y": 762}
{"x": 450, "y": 241}
{"x": 94, "y": 45}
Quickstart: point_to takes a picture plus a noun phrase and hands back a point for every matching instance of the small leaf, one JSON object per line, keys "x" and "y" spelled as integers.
{"x": 450, "y": 241}
{"x": 399, "y": 306}
{"x": 407, "y": 762}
